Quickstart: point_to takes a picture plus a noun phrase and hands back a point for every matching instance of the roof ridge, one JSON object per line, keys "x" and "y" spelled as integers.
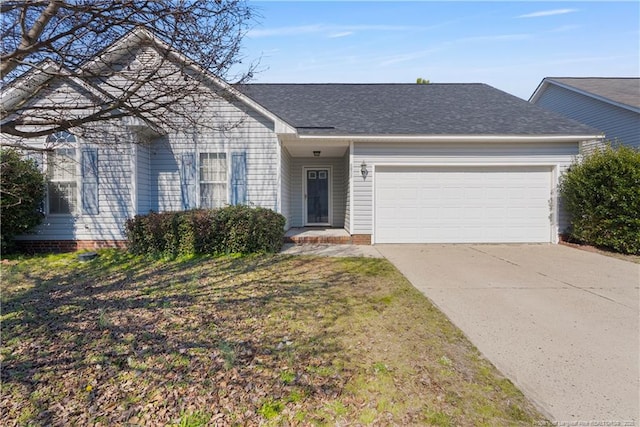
{"x": 597, "y": 78}
{"x": 339, "y": 109}
{"x": 359, "y": 84}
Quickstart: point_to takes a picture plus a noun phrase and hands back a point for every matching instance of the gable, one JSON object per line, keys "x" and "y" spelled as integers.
{"x": 617, "y": 123}
{"x": 623, "y": 92}
{"x": 44, "y": 107}
{"x": 142, "y": 54}
{"x": 139, "y": 61}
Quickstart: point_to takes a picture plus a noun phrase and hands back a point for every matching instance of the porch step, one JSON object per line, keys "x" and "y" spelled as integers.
{"x": 310, "y": 240}
{"x": 315, "y": 235}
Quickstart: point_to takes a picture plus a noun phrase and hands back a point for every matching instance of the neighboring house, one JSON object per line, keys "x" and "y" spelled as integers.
{"x": 389, "y": 163}
{"x": 609, "y": 104}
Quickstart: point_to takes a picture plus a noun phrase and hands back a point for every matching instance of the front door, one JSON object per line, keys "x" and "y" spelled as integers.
{"x": 317, "y": 196}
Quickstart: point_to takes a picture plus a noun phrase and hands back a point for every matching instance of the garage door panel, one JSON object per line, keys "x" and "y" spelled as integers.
{"x": 462, "y": 205}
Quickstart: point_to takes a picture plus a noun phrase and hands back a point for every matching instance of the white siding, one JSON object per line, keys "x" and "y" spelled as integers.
{"x": 562, "y": 217}
{"x": 555, "y": 155}
{"x": 617, "y": 123}
{"x": 347, "y": 197}
{"x": 297, "y": 188}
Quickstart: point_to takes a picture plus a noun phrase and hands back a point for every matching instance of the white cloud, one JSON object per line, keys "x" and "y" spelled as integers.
{"x": 332, "y": 30}
{"x": 285, "y": 31}
{"x": 383, "y": 28}
{"x": 495, "y": 38}
{"x": 412, "y": 56}
{"x": 547, "y": 13}
{"x": 590, "y": 59}
{"x": 564, "y": 28}
{"x": 341, "y": 34}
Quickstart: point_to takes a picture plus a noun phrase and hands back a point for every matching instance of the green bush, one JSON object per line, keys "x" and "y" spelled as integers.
{"x": 233, "y": 229}
{"x": 602, "y": 195}
{"x": 21, "y": 196}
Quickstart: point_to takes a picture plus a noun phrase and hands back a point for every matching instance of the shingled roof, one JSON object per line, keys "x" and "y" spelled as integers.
{"x": 409, "y": 109}
{"x": 621, "y": 90}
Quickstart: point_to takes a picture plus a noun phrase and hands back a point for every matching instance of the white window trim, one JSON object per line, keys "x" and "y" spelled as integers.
{"x": 76, "y": 147}
{"x": 200, "y": 182}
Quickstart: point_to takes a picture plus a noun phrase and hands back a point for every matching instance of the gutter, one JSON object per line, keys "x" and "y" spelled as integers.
{"x": 454, "y": 138}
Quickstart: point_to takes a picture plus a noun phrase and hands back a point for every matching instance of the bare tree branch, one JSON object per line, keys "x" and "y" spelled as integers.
{"x": 29, "y": 37}
{"x": 21, "y": 146}
{"x": 49, "y": 44}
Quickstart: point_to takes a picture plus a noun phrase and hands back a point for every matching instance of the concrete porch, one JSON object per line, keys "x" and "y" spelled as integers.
{"x": 314, "y": 235}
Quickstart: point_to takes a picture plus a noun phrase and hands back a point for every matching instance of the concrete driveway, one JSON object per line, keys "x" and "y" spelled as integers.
{"x": 561, "y": 323}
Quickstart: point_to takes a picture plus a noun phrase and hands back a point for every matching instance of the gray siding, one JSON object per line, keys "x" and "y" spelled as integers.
{"x": 75, "y": 97}
{"x": 297, "y": 188}
{"x": 143, "y": 172}
{"x": 136, "y": 179}
{"x": 114, "y": 173}
{"x": 285, "y": 171}
{"x": 164, "y": 177}
{"x": 212, "y": 125}
{"x": 114, "y": 202}
{"x": 557, "y": 155}
{"x": 114, "y": 189}
{"x": 617, "y": 123}
{"x": 254, "y": 136}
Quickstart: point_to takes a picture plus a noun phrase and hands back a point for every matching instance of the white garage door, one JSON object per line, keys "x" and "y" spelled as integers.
{"x": 462, "y": 204}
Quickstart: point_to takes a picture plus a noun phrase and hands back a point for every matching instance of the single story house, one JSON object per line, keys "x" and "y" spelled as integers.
{"x": 388, "y": 163}
{"x": 611, "y": 104}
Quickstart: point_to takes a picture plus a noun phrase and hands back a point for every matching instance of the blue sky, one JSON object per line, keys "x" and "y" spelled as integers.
{"x": 511, "y": 45}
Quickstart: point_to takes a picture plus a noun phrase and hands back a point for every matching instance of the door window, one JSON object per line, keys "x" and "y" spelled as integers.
{"x": 317, "y": 196}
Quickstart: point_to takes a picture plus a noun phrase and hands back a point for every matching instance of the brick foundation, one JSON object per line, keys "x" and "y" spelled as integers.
{"x": 310, "y": 240}
{"x": 355, "y": 239}
{"x": 44, "y": 246}
{"x": 361, "y": 239}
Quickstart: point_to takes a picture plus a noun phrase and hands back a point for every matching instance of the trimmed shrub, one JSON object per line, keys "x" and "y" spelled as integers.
{"x": 21, "y": 196}
{"x": 233, "y": 229}
{"x": 602, "y": 195}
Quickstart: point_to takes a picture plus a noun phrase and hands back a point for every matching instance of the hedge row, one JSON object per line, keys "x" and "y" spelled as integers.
{"x": 21, "y": 194}
{"x": 233, "y": 229}
{"x": 602, "y": 196}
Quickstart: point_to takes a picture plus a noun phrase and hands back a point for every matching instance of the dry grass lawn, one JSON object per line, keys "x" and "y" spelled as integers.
{"x": 257, "y": 340}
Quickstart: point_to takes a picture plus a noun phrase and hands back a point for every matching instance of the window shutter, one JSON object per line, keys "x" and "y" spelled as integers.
{"x": 188, "y": 174}
{"x": 38, "y": 158}
{"x": 89, "y": 176}
{"x": 238, "y": 178}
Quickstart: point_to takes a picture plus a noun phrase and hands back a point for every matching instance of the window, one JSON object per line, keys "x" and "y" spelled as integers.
{"x": 62, "y": 187}
{"x": 213, "y": 180}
